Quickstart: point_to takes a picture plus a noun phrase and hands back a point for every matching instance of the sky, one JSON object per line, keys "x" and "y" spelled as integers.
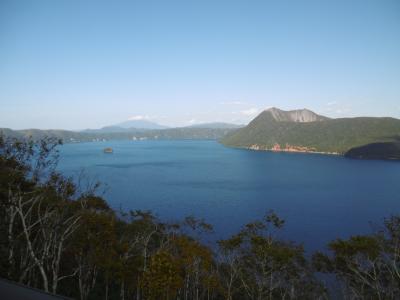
{"x": 87, "y": 64}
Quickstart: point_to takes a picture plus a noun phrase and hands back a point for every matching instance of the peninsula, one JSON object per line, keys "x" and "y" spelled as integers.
{"x": 307, "y": 132}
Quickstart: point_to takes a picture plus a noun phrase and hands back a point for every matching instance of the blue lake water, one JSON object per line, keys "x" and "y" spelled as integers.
{"x": 320, "y": 197}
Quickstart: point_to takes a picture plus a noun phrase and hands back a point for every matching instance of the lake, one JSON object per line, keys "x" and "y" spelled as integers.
{"x": 321, "y": 197}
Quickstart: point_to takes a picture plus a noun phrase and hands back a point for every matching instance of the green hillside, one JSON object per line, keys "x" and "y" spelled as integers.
{"x": 387, "y": 150}
{"x": 328, "y": 135}
{"x": 151, "y": 134}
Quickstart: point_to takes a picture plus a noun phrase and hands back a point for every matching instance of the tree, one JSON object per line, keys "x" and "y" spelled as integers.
{"x": 93, "y": 246}
{"x": 266, "y": 267}
{"x": 230, "y": 266}
{"x": 38, "y": 210}
{"x": 367, "y": 266}
{"x": 161, "y": 280}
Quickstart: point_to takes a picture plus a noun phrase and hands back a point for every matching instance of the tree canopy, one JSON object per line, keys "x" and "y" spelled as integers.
{"x": 62, "y": 237}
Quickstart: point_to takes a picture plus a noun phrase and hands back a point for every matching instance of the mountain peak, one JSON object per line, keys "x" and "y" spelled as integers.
{"x": 140, "y": 124}
{"x": 299, "y": 115}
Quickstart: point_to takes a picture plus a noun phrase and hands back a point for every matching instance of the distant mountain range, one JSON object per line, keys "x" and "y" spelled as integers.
{"x": 139, "y": 124}
{"x": 131, "y": 130}
{"x": 305, "y": 131}
{"x": 118, "y": 133}
{"x": 143, "y": 125}
{"x": 113, "y": 129}
{"x": 272, "y": 130}
{"x": 128, "y": 126}
{"x": 219, "y": 125}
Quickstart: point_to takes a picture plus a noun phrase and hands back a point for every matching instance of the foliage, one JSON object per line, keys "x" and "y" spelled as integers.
{"x": 366, "y": 266}
{"x": 184, "y": 133}
{"x": 56, "y": 236}
{"x": 385, "y": 150}
{"x": 332, "y": 135}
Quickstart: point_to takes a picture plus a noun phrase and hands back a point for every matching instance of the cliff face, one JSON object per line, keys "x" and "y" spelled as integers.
{"x": 298, "y": 115}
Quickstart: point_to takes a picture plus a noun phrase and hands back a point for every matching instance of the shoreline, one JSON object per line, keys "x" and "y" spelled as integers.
{"x": 290, "y": 149}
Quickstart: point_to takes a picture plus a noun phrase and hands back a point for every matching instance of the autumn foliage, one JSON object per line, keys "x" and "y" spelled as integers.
{"x": 58, "y": 235}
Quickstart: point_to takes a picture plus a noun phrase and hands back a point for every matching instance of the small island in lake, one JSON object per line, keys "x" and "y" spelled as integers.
{"x": 108, "y": 150}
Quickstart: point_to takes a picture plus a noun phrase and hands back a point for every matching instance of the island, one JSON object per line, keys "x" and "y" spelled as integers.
{"x": 108, "y": 150}
{"x": 304, "y": 131}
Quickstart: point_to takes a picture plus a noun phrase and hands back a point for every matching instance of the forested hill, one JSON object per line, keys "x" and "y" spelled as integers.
{"x": 131, "y": 134}
{"x": 304, "y": 131}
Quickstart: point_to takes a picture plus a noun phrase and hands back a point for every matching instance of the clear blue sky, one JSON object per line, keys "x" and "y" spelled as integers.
{"x": 86, "y": 64}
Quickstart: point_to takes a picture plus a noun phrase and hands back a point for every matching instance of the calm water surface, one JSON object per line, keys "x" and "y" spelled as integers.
{"x": 320, "y": 197}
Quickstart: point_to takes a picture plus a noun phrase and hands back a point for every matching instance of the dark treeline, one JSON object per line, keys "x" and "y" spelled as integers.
{"x": 61, "y": 237}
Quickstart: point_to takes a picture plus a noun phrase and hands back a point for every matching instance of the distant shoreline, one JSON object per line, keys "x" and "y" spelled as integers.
{"x": 337, "y": 154}
{"x": 302, "y": 152}
{"x": 290, "y": 149}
